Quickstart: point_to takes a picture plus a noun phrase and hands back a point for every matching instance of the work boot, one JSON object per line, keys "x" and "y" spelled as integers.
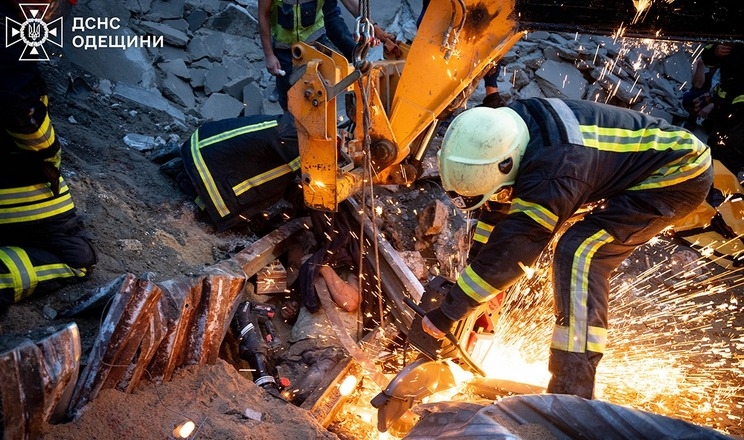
{"x": 274, "y": 95}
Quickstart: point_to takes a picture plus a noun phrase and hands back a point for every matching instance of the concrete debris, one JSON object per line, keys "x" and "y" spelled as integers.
{"x": 177, "y": 67}
{"x": 142, "y": 142}
{"x": 647, "y": 76}
{"x": 252, "y": 414}
{"x": 221, "y": 106}
{"x": 170, "y": 35}
{"x": 416, "y": 262}
{"x": 432, "y": 219}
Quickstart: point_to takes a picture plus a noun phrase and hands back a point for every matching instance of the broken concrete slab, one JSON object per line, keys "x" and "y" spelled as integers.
{"x": 220, "y": 106}
{"x": 131, "y": 65}
{"x": 206, "y": 45}
{"x": 209, "y": 6}
{"x": 235, "y": 87}
{"x": 149, "y": 98}
{"x": 177, "y": 67}
{"x": 197, "y": 77}
{"x": 678, "y": 67}
{"x": 170, "y": 35}
{"x": 180, "y": 24}
{"x": 248, "y": 48}
{"x": 167, "y": 52}
{"x": 138, "y": 7}
{"x": 235, "y": 20}
{"x": 252, "y": 99}
{"x": 178, "y": 90}
{"x": 561, "y": 80}
{"x": 239, "y": 68}
{"x": 615, "y": 87}
{"x": 196, "y": 19}
{"x": 166, "y": 9}
{"x": 215, "y": 79}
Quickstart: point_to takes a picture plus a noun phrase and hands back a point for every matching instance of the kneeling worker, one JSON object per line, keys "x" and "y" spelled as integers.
{"x": 239, "y": 167}
{"x": 530, "y": 166}
{"x": 42, "y": 242}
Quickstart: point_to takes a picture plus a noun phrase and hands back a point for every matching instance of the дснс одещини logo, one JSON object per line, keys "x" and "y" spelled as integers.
{"x": 34, "y": 32}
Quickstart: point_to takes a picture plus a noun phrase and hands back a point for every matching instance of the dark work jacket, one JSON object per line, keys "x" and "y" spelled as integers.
{"x": 578, "y": 152}
{"x": 241, "y": 166}
{"x": 730, "y": 89}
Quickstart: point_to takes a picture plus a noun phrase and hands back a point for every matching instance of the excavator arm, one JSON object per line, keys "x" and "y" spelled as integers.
{"x": 394, "y": 110}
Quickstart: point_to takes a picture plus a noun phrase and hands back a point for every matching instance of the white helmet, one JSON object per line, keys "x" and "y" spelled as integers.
{"x": 481, "y": 153}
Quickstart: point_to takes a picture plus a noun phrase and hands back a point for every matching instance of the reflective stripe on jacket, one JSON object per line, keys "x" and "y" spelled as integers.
{"x": 240, "y": 166}
{"x": 296, "y": 21}
{"x": 33, "y": 202}
{"x": 579, "y": 152}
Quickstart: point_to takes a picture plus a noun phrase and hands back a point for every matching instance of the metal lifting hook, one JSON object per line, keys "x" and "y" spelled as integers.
{"x": 364, "y": 35}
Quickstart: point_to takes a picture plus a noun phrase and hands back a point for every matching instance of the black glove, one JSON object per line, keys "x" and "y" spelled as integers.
{"x": 493, "y": 100}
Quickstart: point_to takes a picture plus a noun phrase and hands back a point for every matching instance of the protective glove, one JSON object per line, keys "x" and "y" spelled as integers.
{"x": 431, "y": 329}
{"x": 437, "y": 324}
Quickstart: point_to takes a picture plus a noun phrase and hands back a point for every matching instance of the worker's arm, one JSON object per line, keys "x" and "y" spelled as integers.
{"x": 543, "y": 202}
{"x": 514, "y": 244}
{"x": 352, "y": 6}
{"x": 698, "y": 75}
{"x": 264, "y": 31}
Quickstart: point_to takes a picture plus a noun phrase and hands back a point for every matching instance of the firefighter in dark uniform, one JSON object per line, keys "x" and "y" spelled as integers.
{"x": 241, "y": 166}
{"x": 42, "y": 241}
{"x": 530, "y": 166}
{"x": 726, "y": 137}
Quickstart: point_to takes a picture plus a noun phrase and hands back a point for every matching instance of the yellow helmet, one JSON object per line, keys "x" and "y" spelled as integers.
{"x": 481, "y": 153}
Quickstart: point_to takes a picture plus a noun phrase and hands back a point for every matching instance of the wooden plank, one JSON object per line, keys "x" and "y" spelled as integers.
{"x": 267, "y": 248}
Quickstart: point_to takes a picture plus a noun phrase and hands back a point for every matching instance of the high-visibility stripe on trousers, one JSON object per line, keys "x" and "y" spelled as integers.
{"x": 22, "y": 272}
{"x": 585, "y": 257}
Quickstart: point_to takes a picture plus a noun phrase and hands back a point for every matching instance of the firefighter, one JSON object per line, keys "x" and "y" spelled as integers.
{"x": 726, "y": 121}
{"x": 42, "y": 241}
{"x": 241, "y": 166}
{"x": 529, "y": 167}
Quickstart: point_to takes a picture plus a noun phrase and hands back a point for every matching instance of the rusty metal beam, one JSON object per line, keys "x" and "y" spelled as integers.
{"x": 36, "y": 380}
{"x": 396, "y": 278}
{"x": 118, "y": 341}
{"x": 686, "y": 20}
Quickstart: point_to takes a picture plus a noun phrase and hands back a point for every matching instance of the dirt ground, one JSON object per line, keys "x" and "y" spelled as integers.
{"x": 142, "y": 222}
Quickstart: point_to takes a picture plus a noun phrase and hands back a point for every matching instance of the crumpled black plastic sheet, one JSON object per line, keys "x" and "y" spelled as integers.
{"x": 564, "y": 416}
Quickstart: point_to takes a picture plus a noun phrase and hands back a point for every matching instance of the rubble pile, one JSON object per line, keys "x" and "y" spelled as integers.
{"x": 211, "y": 64}
{"x": 648, "y": 76}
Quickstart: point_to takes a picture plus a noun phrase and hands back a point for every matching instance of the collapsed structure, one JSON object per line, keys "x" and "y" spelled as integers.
{"x": 146, "y": 326}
